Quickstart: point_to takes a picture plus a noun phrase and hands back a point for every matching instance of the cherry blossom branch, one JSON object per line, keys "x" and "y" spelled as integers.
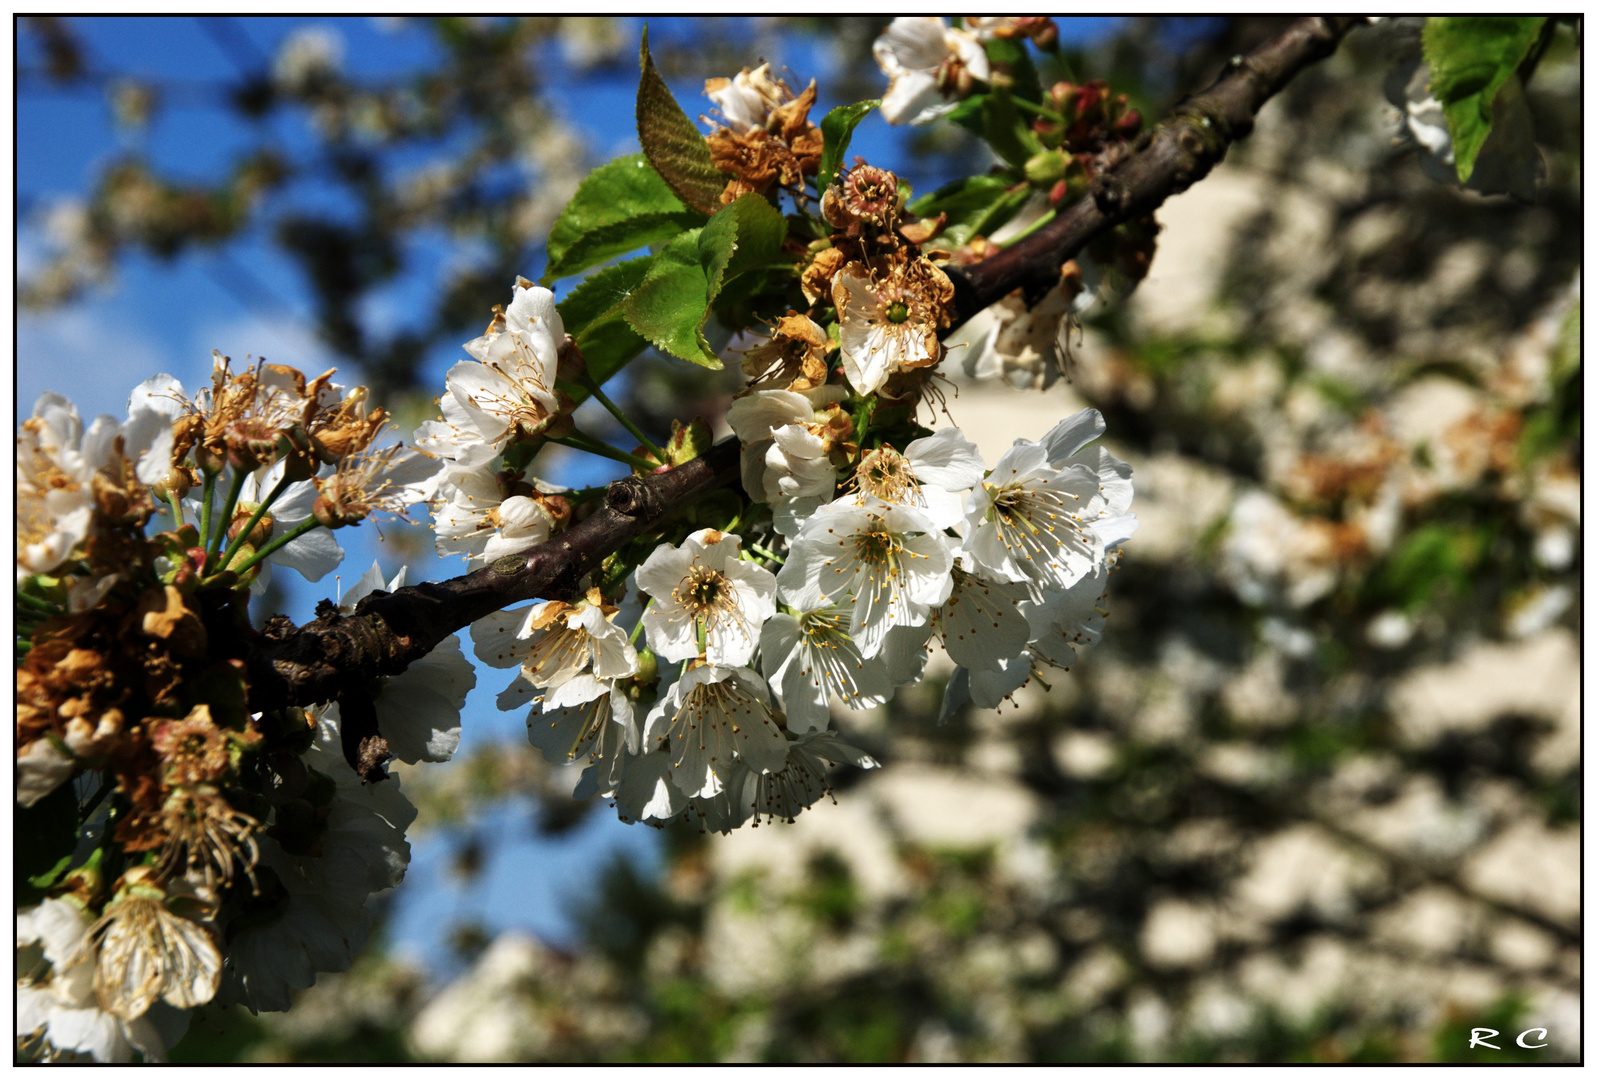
{"x": 1165, "y": 161}
{"x": 335, "y": 654}
{"x": 388, "y": 631}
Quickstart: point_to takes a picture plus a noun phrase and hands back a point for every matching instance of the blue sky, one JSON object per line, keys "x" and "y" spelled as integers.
{"x": 167, "y": 316}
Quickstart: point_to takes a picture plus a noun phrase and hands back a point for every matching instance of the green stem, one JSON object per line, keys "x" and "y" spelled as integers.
{"x": 255, "y": 519}
{"x": 1029, "y": 229}
{"x": 38, "y": 604}
{"x": 207, "y": 493}
{"x": 637, "y": 631}
{"x": 637, "y": 433}
{"x": 214, "y": 544}
{"x": 862, "y": 421}
{"x": 766, "y": 553}
{"x": 1036, "y": 110}
{"x": 578, "y": 441}
{"x": 177, "y": 510}
{"x": 276, "y": 545}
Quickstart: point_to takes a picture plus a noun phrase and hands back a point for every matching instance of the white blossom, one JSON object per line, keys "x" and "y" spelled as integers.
{"x": 747, "y": 99}
{"x": 553, "y": 643}
{"x": 56, "y": 1002}
{"x": 319, "y": 920}
{"x": 809, "y": 658}
{"x": 710, "y": 719}
{"x": 509, "y": 386}
{"x": 890, "y": 563}
{"x": 1050, "y": 509}
{"x": 786, "y": 454}
{"x": 780, "y": 795}
{"x": 922, "y": 59}
{"x": 883, "y": 327}
{"x": 590, "y": 716}
{"x": 933, "y": 475}
{"x": 703, "y": 585}
{"x": 473, "y": 517}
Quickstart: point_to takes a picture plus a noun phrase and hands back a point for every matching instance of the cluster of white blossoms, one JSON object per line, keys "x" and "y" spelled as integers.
{"x": 1005, "y": 566}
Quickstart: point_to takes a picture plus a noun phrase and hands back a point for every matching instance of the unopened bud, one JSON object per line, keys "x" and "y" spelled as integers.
{"x": 1129, "y": 124}
{"x": 1064, "y": 96}
{"x": 258, "y": 535}
{"x": 571, "y": 366}
{"x": 1047, "y": 167}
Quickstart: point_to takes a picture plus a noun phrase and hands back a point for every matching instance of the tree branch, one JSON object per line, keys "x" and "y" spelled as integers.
{"x": 1165, "y": 161}
{"x": 389, "y": 631}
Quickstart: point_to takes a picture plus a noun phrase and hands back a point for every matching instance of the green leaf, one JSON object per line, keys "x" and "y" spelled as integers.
{"x": 621, "y": 207}
{"x": 1471, "y": 58}
{"x": 45, "y": 833}
{"x": 673, "y": 142}
{"x": 671, "y": 303}
{"x": 837, "y": 128}
{"x": 761, "y": 228}
{"x": 975, "y": 203}
{"x": 593, "y": 315}
{"x": 1006, "y": 130}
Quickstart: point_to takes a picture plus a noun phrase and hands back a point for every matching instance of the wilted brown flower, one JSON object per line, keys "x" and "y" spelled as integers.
{"x": 794, "y": 358}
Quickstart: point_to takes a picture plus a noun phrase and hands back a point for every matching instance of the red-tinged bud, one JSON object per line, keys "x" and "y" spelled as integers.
{"x": 1129, "y": 124}
{"x": 1060, "y": 192}
{"x": 186, "y": 581}
{"x": 196, "y": 556}
{"x": 1065, "y": 96}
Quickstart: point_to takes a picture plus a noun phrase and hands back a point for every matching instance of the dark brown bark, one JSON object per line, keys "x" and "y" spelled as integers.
{"x": 388, "y": 631}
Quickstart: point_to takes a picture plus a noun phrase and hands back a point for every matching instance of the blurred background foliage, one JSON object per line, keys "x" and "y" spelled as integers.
{"x": 1314, "y": 798}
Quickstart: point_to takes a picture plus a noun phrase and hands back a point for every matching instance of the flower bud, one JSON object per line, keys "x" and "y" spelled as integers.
{"x": 258, "y": 535}
{"x": 571, "y": 365}
{"x": 1044, "y": 169}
